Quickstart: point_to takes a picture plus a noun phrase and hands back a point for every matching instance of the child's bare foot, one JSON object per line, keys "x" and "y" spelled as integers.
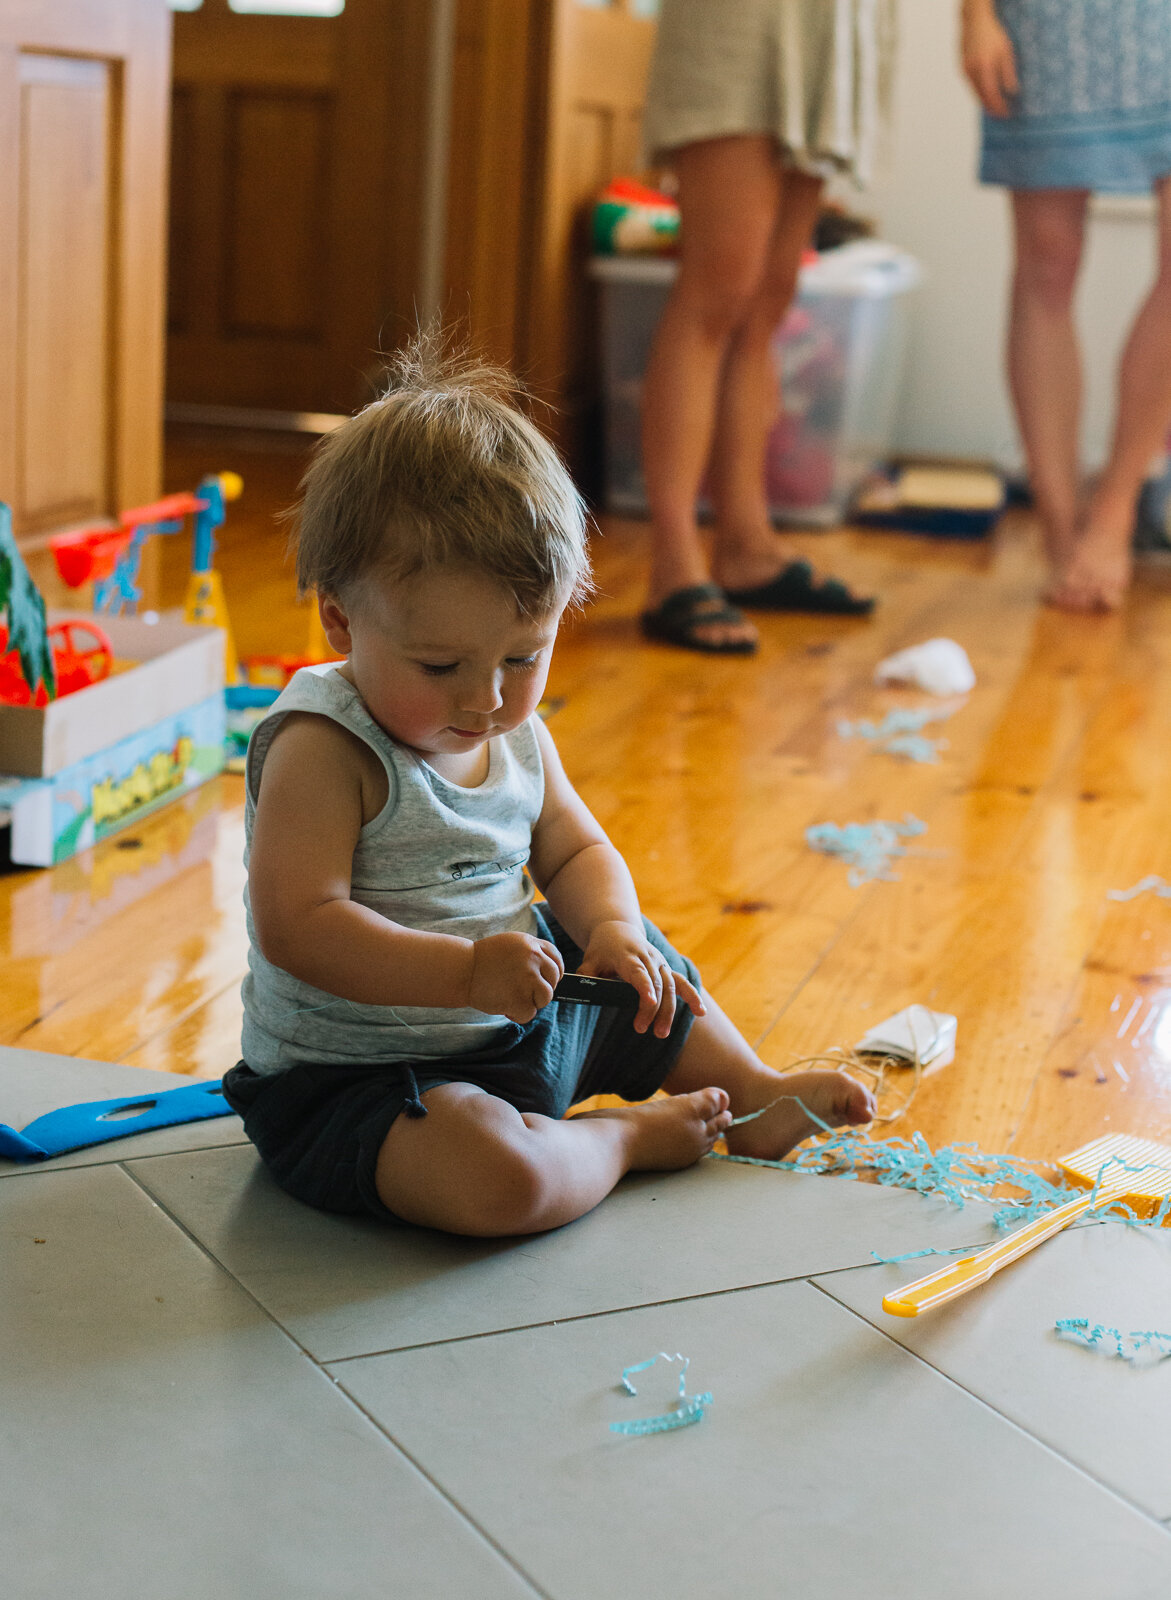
{"x": 833, "y": 1096}
{"x": 672, "y": 1133}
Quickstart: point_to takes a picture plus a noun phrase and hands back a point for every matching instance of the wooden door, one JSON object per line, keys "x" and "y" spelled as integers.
{"x": 83, "y": 138}
{"x": 598, "y": 62}
{"x": 548, "y": 98}
{"x": 297, "y": 162}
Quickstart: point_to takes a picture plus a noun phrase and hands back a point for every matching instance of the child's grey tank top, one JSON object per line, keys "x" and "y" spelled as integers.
{"x": 437, "y": 857}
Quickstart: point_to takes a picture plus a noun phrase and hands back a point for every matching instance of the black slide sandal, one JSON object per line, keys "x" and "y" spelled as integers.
{"x": 679, "y": 617}
{"x": 794, "y": 589}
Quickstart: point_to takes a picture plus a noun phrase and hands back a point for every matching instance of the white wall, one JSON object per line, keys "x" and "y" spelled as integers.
{"x": 929, "y": 202}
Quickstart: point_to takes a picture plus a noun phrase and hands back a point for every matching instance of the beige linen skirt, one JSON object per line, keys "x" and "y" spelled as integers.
{"x": 813, "y": 73}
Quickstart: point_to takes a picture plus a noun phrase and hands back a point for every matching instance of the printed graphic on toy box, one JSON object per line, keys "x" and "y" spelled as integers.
{"x": 109, "y": 790}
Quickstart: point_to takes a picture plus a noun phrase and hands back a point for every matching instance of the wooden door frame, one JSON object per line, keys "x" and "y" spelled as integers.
{"x": 495, "y": 171}
{"x": 511, "y": 237}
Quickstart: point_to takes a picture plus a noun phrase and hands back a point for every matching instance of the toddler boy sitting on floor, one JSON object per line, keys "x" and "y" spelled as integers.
{"x": 403, "y": 1052}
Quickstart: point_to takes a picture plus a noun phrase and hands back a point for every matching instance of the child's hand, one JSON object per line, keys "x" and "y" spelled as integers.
{"x": 989, "y": 59}
{"x": 513, "y": 975}
{"x": 622, "y": 950}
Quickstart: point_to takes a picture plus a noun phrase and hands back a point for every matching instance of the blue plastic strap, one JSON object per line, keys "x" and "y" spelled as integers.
{"x": 98, "y": 1121}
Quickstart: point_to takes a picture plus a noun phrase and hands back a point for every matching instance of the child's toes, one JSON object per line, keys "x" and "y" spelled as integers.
{"x": 709, "y": 1103}
{"x": 859, "y": 1105}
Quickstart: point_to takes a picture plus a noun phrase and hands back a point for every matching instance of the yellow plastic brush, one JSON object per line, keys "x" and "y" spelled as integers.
{"x": 1101, "y": 1163}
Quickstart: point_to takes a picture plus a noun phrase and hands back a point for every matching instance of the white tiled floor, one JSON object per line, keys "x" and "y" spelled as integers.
{"x": 1109, "y": 1417}
{"x": 163, "y": 1437}
{"x": 207, "y": 1390}
{"x": 350, "y": 1286}
{"x": 829, "y": 1464}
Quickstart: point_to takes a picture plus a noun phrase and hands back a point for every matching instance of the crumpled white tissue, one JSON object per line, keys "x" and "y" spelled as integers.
{"x": 940, "y": 666}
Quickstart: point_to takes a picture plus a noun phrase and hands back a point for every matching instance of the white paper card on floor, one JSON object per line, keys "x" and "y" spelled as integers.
{"x": 913, "y": 1033}
{"x": 940, "y": 666}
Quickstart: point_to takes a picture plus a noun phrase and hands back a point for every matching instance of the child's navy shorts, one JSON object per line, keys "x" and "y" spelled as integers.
{"x": 319, "y": 1129}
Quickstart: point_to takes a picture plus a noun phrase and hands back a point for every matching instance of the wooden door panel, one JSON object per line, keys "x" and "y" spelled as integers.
{"x": 65, "y": 229}
{"x": 215, "y": 46}
{"x": 295, "y": 202}
{"x": 278, "y": 191}
{"x": 83, "y": 138}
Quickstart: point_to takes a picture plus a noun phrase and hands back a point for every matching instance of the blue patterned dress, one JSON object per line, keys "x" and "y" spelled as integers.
{"x": 1094, "y": 110}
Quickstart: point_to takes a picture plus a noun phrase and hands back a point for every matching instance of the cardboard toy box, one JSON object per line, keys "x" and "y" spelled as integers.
{"x": 94, "y": 762}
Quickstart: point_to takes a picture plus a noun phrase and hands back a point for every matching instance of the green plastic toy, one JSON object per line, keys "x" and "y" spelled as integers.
{"x": 20, "y": 598}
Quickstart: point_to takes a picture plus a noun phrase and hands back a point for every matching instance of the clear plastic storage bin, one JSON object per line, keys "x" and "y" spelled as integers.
{"x": 840, "y": 355}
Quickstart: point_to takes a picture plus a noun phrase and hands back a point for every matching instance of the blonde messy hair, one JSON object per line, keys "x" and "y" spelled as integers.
{"x": 442, "y": 471}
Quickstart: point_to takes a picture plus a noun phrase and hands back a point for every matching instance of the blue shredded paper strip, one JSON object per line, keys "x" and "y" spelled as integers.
{"x": 690, "y": 1408}
{"x": 1141, "y": 1347}
{"x": 867, "y": 847}
{"x": 1152, "y": 884}
{"x": 955, "y": 1173}
{"x": 900, "y": 732}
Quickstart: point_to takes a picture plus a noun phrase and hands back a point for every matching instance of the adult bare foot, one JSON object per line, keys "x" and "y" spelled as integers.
{"x": 834, "y": 1097}
{"x": 1059, "y": 545}
{"x": 1097, "y": 575}
{"x": 671, "y": 1133}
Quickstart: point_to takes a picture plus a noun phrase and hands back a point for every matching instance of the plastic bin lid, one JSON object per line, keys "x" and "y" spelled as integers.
{"x": 865, "y": 269}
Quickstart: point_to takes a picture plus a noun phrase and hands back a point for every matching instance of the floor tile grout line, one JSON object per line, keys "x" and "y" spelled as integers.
{"x": 320, "y": 1367}
{"x": 47, "y": 1171}
{"x": 206, "y": 1250}
{"x": 979, "y": 1244}
{"x": 583, "y": 1316}
{"x": 488, "y": 1538}
{"x": 1011, "y": 1422}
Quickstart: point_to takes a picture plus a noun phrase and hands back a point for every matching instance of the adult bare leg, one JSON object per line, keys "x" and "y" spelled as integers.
{"x": 1098, "y": 572}
{"x": 729, "y": 193}
{"x": 1044, "y": 360}
{"x": 747, "y": 547}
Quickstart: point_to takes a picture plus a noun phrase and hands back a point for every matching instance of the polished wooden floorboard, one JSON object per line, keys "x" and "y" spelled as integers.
{"x": 1053, "y": 790}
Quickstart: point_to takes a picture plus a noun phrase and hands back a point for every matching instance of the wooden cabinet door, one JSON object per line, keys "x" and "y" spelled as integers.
{"x": 83, "y": 137}
{"x": 297, "y": 157}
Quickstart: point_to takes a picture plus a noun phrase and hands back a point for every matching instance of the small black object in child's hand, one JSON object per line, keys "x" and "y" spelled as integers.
{"x": 610, "y": 992}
